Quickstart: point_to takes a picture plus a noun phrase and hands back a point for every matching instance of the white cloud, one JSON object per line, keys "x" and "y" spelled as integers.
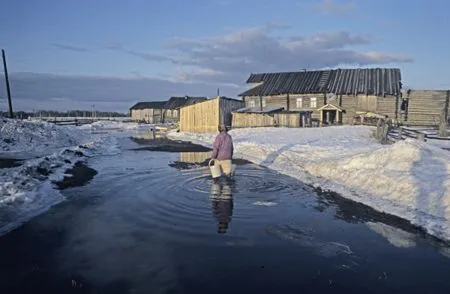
{"x": 238, "y": 53}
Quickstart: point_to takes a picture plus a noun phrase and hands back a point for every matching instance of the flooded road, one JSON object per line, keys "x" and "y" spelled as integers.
{"x": 154, "y": 222}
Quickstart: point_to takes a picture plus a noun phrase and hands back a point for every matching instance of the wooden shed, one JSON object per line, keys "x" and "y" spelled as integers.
{"x": 270, "y": 117}
{"x": 293, "y": 119}
{"x": 425, "y": 107}
{"x": 206, "y": 116}
{"x": 248, "y": 118}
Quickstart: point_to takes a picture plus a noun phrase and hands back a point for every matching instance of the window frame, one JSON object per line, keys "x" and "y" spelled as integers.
{"x": 313, "y": 102}
{"x": 299, "y": 102}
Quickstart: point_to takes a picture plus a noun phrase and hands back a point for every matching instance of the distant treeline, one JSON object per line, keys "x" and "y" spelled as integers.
{"x": 71, "y": 113}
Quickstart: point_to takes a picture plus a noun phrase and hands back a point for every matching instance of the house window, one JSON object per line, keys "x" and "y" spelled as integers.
{"x": 313, "y": 103}
{"x": 169, "y": 112}
{"x": 251, "y": 103}
{"x": 175, "y": 113}
{"x": 299, "y": 103}
{"x": 264, "y": 102}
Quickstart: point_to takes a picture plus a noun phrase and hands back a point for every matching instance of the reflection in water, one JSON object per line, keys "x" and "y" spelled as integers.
{"x": 194, "y": 157}
{"x": 395, "y": 236}
{"x": 148, "y": 135}
{"x": 222, "y": 203}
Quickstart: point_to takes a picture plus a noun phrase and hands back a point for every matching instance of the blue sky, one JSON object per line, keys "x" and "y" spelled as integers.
{"x": 158, "y": 48}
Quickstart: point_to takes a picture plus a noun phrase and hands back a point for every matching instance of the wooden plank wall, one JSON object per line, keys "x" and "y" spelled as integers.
{"x": 249, "y": 120}
{"x": 276, "y": 101}
{"x": 227, "y": 106}
{"x": 255, "y": 99}
{"x": 349, "y": 103}
{"x": 194, "y": 157}
{"x": 200, "y": 117}
{"x": 425, "y": 106}
{"x": 292, "y": 120}
{"x": 352, "y": 104}
{"x": 366, "y": 103}
{"x": 389, "y": 106}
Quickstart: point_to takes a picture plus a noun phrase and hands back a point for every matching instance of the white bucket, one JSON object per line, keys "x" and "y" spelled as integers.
{"x": 233, "y": 169}
{"x": 215, "y": 169}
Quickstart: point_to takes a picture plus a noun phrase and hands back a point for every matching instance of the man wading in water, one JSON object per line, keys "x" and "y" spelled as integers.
{"x": 223, "y": 151}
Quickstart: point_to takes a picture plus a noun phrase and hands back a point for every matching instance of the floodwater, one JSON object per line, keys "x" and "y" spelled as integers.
{"x": 154, "y": 222}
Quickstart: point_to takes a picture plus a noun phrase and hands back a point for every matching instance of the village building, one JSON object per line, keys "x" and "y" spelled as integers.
{"x": 331, "y": 96}
{"x": 207, "y": 115}
{"x": 171, "y": 111}
{"x": 149, "y": 112}
{"x": 156, "y": 112}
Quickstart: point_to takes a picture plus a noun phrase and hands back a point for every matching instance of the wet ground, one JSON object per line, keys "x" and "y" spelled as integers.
{"x": 154, "y": 222}
{"x": 9, "y": 162}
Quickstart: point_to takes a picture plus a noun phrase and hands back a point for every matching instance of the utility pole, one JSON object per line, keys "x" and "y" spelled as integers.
{"x": 8, "y": 90}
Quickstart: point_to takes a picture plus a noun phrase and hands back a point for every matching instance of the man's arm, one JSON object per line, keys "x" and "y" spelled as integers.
{"x": 216, "y": 146}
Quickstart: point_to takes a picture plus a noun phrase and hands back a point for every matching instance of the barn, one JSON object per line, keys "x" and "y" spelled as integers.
{"x": 205, "y": 116}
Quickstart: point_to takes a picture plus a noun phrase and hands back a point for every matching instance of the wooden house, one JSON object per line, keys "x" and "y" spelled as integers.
{"x": 206, "y": 116}
{"x": 333, "y": 96}
{"x": 149, "y": 112}
{"x": 171, "y": 111}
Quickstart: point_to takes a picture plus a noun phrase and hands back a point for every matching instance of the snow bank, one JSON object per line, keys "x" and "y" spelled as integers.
{"x": 36, "y": 137}
{"x": 409, "y": 179}
{"x": 114, "y": 125}
{"x": 49, "y": 150}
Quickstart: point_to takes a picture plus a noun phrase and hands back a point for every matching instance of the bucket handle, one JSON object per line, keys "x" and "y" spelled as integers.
{"x": 211, "y": 161}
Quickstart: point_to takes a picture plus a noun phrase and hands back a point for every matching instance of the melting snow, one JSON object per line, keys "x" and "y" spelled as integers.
{"x": 48, "y": 151}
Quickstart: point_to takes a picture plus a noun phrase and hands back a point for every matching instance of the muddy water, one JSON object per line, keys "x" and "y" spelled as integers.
{"x": 154, "y": 222}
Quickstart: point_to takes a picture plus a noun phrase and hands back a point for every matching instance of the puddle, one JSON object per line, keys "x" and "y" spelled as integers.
{"x": 163, "y": 144}
{"x": 79, "y": 175}
{"x": 145, "y": 227}
{"x": 10, "y": 162}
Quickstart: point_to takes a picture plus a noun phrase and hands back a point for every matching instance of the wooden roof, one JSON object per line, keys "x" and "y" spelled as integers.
{"x": 369, "y": 81}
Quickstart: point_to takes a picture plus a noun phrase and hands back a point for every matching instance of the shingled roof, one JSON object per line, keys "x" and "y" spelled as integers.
{"x": 177, "y": 102}
{"x": 172, "y": 103}
{"x": 370, "y": 81}
{"x": 149, "y": 105}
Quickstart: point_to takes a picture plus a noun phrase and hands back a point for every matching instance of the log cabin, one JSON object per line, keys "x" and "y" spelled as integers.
{"x": 333, "y": 96}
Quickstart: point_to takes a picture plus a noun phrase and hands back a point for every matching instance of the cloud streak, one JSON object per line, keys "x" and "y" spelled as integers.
{"x": 69, "y": 47}
{"x": 49, "y": 91}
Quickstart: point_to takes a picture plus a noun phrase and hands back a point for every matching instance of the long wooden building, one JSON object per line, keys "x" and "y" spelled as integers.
{"x": 333, "y": 96}
{"x": 155, "y": 112}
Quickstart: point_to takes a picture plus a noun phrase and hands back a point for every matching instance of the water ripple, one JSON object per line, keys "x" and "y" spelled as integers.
{"x": 189, "y": 206}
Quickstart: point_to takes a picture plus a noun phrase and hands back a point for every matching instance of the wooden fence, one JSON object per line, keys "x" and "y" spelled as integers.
{"x": 206, "y": 116}
{"x": 248, "y": 120}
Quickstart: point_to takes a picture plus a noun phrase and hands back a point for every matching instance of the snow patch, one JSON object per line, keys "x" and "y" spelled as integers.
{"x": 28, "y": 190}
{"x": 115, "y": 125}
